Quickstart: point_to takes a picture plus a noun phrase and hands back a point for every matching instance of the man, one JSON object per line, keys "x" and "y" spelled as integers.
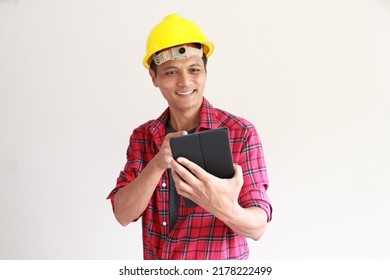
{"x": 153, "y": 185}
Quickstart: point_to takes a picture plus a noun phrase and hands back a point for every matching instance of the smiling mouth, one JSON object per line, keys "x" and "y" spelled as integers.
{"x": 186, "y": 93}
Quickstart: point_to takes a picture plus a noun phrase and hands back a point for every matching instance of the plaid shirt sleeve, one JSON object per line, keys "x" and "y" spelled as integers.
{"x": 251, "y": 159}
{"x": 247, "y": 151}
{"x": 134, "y": 165}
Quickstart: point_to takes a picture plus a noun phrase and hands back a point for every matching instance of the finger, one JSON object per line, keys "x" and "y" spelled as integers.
{"x": 175, "y": 134}
{"x": 186, "y": 175}
{"x": 195, "y": 169}
{"x": 238, "y": 174}
{"x": 237, "y": 170}
{"x": 166, "y": 146}
{"x": 182, "y": 186}
{"x": 181, "y": 171}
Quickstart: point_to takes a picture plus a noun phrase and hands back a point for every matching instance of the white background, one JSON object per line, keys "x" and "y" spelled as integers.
{"x": 313, "y": 76}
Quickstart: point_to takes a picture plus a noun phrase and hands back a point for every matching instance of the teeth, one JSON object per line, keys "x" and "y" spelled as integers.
{"x": 185, "y": 93}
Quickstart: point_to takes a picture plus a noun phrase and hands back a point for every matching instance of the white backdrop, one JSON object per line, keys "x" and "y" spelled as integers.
{"x": 313, "y": 76}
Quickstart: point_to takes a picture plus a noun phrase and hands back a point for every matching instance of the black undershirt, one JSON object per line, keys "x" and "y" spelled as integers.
{"x": 174, "y": 198}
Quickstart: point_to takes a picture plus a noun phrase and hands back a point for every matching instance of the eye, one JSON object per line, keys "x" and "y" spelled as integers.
{"x": 195, "y": 70}
{"x": 170, "y": 73}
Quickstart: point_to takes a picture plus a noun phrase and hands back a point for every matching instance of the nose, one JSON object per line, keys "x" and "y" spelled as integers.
{"x": 184, "y": 80}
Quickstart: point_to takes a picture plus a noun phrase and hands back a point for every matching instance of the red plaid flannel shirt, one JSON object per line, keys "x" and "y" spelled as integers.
{"x": 197, "y": 233}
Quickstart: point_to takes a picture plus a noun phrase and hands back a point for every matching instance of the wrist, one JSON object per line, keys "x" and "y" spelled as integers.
{"x": 156, "y": 166}
{"x": 233, "y": 214}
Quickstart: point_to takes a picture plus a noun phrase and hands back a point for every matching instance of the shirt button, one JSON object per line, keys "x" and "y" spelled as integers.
{"x": 163, "y": 185}
{"x": 164, "y": 224}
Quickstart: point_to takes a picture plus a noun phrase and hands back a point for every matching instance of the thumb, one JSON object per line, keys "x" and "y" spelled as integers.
{"x": 176, "y": 134}
{"x": 181, "y": 133}
{"x": 238, "y": 174}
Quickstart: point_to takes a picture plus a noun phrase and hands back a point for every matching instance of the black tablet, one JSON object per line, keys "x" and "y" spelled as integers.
{"x": 210, "y": 149}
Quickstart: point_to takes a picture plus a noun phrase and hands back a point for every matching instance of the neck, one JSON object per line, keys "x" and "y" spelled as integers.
{"x": 181, "y": 122}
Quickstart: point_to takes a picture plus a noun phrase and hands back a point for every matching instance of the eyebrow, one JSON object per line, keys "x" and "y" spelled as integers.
{"x": 196, "y": 64}
{"x": 171, "y": 67}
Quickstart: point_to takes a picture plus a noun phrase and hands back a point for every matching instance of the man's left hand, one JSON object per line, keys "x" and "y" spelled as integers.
{"x": 216, "y": 195}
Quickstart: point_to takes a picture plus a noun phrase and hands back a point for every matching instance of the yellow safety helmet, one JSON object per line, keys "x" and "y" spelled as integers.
{"x": 175, "y": 30}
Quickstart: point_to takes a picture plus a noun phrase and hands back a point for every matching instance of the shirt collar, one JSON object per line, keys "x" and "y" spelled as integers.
{"x": 207, "y": 121}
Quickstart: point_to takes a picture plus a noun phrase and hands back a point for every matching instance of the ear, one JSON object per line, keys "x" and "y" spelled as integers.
{"x": 153, "y": 76}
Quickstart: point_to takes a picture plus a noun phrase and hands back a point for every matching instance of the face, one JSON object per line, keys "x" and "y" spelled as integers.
{"x": 181, "y": 82}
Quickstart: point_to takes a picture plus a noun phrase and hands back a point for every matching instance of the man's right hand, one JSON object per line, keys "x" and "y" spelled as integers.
{"x": 164, "y": 156}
